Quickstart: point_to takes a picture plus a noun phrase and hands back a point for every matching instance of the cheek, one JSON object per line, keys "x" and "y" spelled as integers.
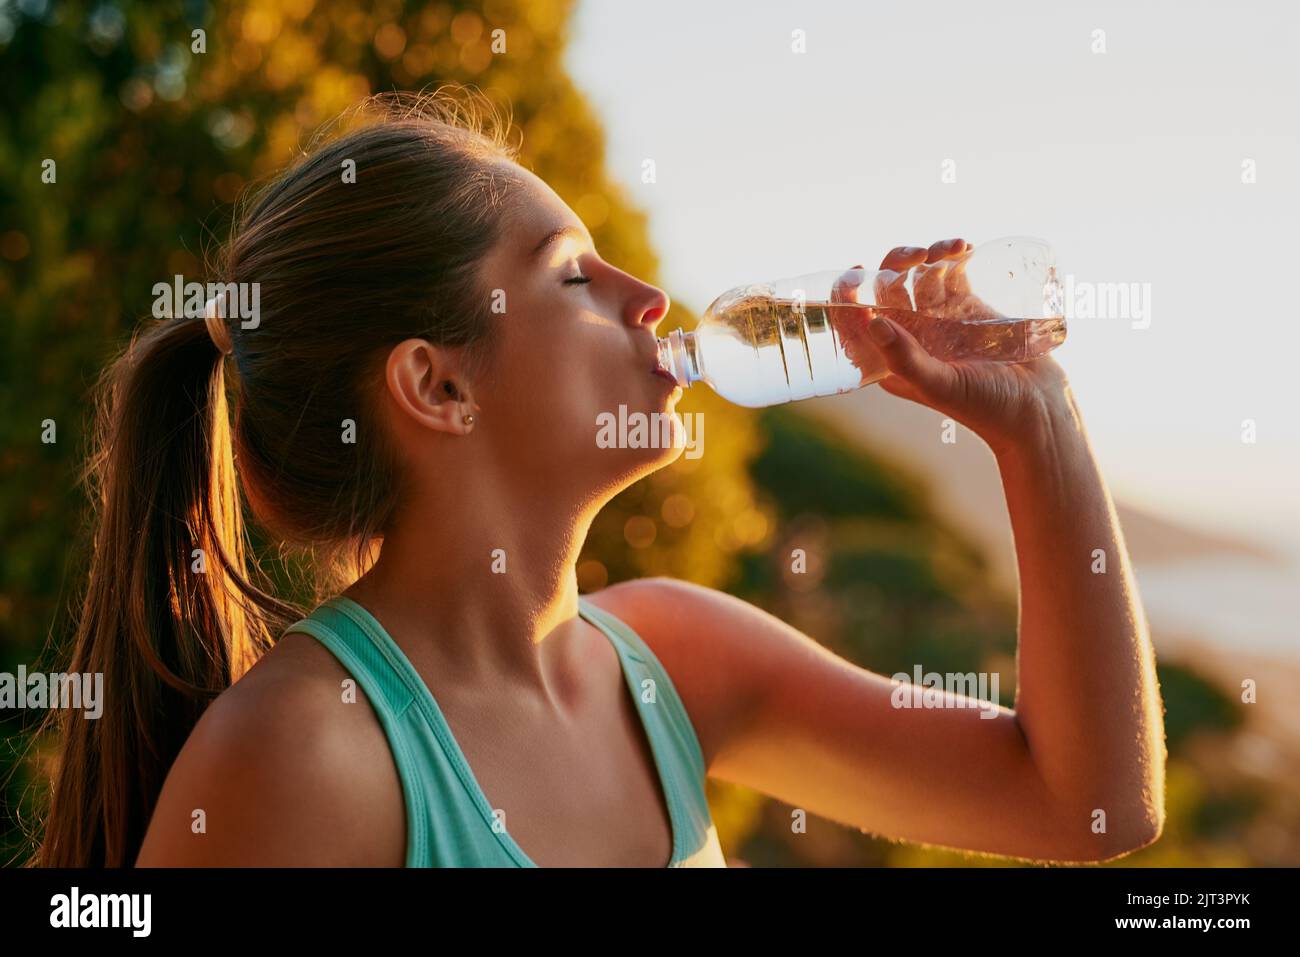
{"x": 550, "y": 383}
{"x": 603, "y": 376}
{"x": 581, "y": 356}
{"x": 586, "y": 389}
{"x": 560, "y": 366}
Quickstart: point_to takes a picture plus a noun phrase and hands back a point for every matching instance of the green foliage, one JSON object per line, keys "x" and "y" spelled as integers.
{"x": 153, "y": 142}
{"x": 803, "y": 471}
{"x": 1193, "y": 705}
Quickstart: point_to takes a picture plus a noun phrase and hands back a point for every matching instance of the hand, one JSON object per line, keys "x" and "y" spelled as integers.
{"x": 1003, "y": 402}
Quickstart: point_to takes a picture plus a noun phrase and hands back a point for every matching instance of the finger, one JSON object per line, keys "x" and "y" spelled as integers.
{"x": 849, "y": 322}
{"x": 844, "y": 291}
{"x": 931, "y": 379}
{"x": 928, "y": 288}
{"x": 956, "y": 283}
{"x": 901, "y": 388}
{"x": 845, "y": 288}
{"x": 940, "y": 282}
{"x": 891, "y": 289}
{"x": 960, "y": 301}
{"x": 903, "y": 258}
{"x": 891, "y": 280}
{"x": 945, "y": 249}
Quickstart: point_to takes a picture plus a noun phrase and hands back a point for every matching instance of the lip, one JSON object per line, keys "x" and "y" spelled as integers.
{"x": 663, "y": 374}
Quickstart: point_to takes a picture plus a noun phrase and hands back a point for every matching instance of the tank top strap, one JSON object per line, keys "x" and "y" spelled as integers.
{"x": 640, "y": 663}
{"x": 450, "y": 822}
{"x": 375, "y": 667}
{"x": 673, "y": 738}
{"x": 371, "y": 662}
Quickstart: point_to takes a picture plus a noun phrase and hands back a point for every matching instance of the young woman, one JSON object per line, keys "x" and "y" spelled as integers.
{"x": 436, "y": 338}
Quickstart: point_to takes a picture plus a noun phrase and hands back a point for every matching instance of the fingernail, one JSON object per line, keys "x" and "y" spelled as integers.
{"x": 882, "y": 331}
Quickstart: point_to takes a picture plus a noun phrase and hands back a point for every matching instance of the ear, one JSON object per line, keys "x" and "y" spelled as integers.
{"x": 426, "y": 385}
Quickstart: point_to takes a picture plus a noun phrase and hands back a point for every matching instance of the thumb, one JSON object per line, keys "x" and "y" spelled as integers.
{"x": 930, "y": 378}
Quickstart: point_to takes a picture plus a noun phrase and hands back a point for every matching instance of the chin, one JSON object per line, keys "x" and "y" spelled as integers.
{"x": 634, "y": 443}
{"x": 648, "y": 462}
{"x": 639, "y": 433}
{"x": 653, "y": 456}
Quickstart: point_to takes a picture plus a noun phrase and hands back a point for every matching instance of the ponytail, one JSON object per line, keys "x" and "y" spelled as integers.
{"x": 169, "y": 617}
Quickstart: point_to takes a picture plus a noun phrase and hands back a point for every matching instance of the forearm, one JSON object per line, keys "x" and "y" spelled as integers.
{"x": 1087, "y": 699}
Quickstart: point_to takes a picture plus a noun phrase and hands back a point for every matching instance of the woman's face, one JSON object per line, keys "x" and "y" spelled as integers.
{"x": 574, "y": 339}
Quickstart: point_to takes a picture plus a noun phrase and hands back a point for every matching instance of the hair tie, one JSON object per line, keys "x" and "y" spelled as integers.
{"x": 217, "y": 329}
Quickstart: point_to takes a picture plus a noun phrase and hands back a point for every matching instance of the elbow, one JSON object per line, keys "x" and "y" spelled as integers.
{"x": 1136, "y": 831}
{"x": 1105, "y": 823}
{"x": 1150, "y": 831}
{"x": 1132, "y": 839}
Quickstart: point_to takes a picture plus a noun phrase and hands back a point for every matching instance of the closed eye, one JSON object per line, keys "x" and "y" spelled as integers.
{"x": 577, "y": 280}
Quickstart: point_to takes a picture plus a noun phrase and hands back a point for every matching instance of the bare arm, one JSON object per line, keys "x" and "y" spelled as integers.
{"x": 1074, "y": 773}
{"x": 1087, "y": 697}
{"x": 779, "y": 713}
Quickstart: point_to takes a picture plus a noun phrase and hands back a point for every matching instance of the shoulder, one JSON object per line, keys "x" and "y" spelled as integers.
{"x": 710, "y": 643}
{"x": 668, "y": 606}
{"x": 286, "y": 770}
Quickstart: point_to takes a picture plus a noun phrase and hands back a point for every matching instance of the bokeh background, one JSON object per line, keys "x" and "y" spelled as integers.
{"x": 768, "y": 161}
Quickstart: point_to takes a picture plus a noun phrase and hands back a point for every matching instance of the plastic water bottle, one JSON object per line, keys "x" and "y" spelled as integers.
{"x": 774, "y": 342}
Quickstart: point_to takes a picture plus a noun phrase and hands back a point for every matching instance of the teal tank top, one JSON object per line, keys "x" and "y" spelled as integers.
{"x": 449, "y": 822}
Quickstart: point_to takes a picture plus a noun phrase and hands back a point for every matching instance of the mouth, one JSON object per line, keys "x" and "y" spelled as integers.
{"x": 667, "y": 377}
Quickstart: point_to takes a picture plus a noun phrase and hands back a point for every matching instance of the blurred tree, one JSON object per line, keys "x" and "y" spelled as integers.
{"x": 155, "y": 117}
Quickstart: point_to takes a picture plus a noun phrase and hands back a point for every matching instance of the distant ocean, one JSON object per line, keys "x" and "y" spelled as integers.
{"x": 1231, "y": 602}
{"x": 1230, "y": 584}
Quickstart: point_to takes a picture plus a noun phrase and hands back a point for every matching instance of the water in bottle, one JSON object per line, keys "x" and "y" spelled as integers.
{"x": 775, "y": 342}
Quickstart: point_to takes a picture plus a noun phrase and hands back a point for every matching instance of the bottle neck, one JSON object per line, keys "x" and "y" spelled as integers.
{"x": 679, "y": 356}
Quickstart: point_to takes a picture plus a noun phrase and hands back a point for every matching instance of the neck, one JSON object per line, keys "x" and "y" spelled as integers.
{"x": 475, "y": 579}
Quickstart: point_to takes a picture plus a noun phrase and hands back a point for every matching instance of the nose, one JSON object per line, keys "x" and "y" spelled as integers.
{"x": 647, "y": 305}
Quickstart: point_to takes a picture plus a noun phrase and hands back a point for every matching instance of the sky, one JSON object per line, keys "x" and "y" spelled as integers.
{"x": 1121, "y": 133}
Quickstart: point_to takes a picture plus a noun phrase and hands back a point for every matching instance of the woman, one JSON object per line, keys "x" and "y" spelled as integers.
{"x": 437, "y": 335}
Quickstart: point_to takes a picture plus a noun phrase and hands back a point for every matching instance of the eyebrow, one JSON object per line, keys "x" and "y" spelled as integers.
{"x": 554, "y": 236}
